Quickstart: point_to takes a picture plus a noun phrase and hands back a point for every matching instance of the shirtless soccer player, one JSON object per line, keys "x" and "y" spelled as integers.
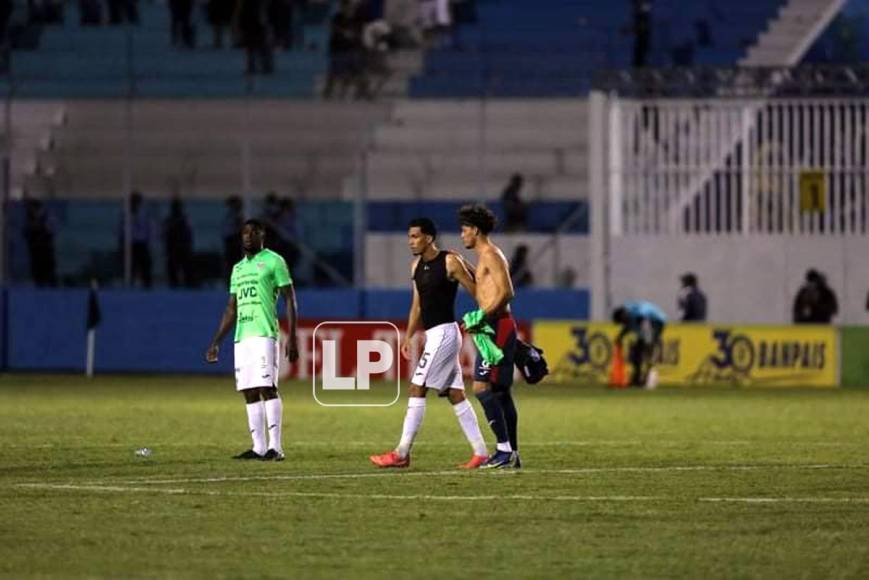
{"x": 253, "y": 290}
{"x": 436, "y": 275}
{"x": 492, "y": 383}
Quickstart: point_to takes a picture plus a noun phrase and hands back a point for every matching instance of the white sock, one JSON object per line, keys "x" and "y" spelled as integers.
{"x": 468, "y": 420}
{"x": 412, "y": 421}
{"x": 504, "y": 447}
{"x": 256, "y": 424}
{"x": 274, "y": 415}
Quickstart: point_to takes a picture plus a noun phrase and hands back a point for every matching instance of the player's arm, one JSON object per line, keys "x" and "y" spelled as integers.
{"x": 413, "y": 316}
{"x": 500, "y": 280}
{"x": 291, "y": 349}
{"x": 472, "y": 271}
{"x": 226, "y": 323}
{"x": 456, "y": 270}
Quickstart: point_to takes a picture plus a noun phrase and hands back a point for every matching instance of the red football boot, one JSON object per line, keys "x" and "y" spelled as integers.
{"x": 475, "y": 462}
{"x": 391, "y": 459}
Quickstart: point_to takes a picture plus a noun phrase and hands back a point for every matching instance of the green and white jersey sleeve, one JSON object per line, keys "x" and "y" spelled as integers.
{"x": 255, "y": 282}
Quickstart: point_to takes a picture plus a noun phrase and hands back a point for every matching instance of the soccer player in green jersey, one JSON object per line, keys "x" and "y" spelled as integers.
{"x": 256, "y": 282}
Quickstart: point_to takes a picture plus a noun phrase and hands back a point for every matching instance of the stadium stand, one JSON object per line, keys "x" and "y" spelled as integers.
{"x": 788, "y": 37}
{"x": 88, "y": 235}
{"x": 195, "y": 148}
{"x": 70, "y": 60}
{"x": 845, "y": 40}
{"x": 509, "y": 48}
{"x": 532, "y": 64}
{"x": 465, "y": 150}
{"x": 531, "y": 49}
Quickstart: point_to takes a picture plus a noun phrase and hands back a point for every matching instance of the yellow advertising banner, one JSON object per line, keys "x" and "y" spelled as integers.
{"x": 697, "y": 354}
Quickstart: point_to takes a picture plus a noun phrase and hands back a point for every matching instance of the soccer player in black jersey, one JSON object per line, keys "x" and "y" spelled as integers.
{"x": 436, "y": 275}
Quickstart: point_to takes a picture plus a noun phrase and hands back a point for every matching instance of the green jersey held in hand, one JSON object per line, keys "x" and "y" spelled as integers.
{"x": 255, "y": 282}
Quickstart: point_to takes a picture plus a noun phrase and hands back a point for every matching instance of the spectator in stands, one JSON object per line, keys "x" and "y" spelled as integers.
{"x": 39, "y": 235}
{"x": 376, "y": 41}
{"x": 642, "y": 30}
{"x": 703, "y": 33}
{"x": 121, "y": 11}
{"x": 141, "y": 233}
{"x": 285, "y": 226}
{"x": 233, "y": 221}
{"x": 806, "y": 300}
{"x": 436, "y": 21}
{"x": 345, "y": 45}
{"x": 403, "y": 18}
{"x": 815, "y": 302}
{"x": 181, "y": 27}
{"x": 280, "y": 13}
{"x": 828, "y": 306}
{"x": 279, "y": 221}
{"x": 692, "y": 300}
{"x": 269, "y": 218}
{"x": 219, "y": 14}
{"x": 6, "y": 7}
{"x": 255, "y": 31}
{"x": 520, "y": 272}
{"x": 45, "y": 11}
{"x": 515, "y": 210}
{"x": 178, "y": 244}
{"x": 90, "y": 12}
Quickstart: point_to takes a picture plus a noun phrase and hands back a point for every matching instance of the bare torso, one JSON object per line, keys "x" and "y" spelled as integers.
{"x": 492, "y": 271}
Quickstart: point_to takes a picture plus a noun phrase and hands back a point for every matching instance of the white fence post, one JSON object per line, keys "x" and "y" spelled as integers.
{"x": 601, "y": 203}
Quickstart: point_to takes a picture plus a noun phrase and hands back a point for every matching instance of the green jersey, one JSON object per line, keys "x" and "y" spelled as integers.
{"x": 255, "y": 282}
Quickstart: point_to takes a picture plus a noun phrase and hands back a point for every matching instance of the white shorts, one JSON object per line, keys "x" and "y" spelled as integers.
{"x": 438, "y": 367}
{"x": 256, "y": 363}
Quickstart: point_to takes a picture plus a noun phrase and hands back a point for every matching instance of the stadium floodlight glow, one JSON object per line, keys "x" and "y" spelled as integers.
{"x": 373, "y": 346}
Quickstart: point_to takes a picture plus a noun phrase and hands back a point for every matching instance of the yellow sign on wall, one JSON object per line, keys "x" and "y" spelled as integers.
{"x": 695, "y": 354}
{"x": 813, "y": 192}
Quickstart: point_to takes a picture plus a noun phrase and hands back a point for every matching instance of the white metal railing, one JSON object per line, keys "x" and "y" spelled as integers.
{"x": 738, "y": 167}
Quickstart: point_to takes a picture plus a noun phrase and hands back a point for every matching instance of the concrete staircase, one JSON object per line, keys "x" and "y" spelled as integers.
{"x": 204, "y": 149}
{"x": 462, "y": 150}
{"x": 791, "y": 34}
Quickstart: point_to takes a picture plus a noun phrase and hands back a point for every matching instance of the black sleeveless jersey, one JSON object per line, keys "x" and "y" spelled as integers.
{"x": 437, "y": 293}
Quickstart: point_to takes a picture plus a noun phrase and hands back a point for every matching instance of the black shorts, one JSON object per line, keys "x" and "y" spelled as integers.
{"x": 499, "y": 376}
{"x": 648, "y": 337}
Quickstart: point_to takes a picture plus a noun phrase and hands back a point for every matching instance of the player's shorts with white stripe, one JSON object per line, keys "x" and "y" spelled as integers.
{"x": 256, "y": 363}
{"x": 438, "y": 367}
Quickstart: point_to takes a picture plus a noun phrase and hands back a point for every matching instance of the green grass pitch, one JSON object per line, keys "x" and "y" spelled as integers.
{"x": 675, "y": 483}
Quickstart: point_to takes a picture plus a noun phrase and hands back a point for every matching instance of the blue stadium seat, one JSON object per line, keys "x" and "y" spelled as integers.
{"x": 553, "y": 47}
{"x": 96, "y": 59}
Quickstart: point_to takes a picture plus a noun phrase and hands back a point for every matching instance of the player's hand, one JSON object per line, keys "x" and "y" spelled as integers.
{"x": 405, "y": 349}
{"x": 291, "y": 350}
{"x": 211, "y": 353}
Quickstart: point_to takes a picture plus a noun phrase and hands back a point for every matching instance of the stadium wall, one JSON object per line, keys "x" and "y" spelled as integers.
{"x": 752, "y": 280}
{"x": 167, "y": 331}
{"x": 552, "y": 258}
